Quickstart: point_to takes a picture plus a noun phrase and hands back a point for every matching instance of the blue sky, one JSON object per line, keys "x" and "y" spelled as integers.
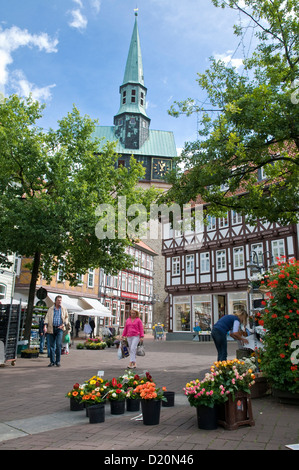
{"x": 74, "y": 52}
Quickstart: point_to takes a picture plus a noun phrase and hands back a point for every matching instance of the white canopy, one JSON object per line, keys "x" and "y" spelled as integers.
{"x": 70, "y": 304}
{"x": 97, "y": 309}
{"x": 14, "y": 302}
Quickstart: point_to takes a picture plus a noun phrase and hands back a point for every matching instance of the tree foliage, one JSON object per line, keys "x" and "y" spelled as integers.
{"x": 51, "y": 184}
{"x": 251, "y": 125}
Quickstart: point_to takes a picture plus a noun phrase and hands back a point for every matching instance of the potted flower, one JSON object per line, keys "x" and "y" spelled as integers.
{"x": 29, "y": 353}
{"x": 280, "y": 319}
{"x": 75, "y": 395}
{"x": 116, "y": 396}
{"x": 151, "y": 398}
{"x": 227, "y": 381}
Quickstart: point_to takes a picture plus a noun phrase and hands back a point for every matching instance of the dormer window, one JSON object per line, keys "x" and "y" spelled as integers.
{"x": 133, "y": 96}
{"x": 124, "y": 96}
{"x": 141, "y": 98}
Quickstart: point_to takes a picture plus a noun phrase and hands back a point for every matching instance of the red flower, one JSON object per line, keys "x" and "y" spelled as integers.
{"x": 287, "y": 316}
{"x": 274, "y": 315}
{"x": 261, "y": 322}
{"x": 282, "y": 356}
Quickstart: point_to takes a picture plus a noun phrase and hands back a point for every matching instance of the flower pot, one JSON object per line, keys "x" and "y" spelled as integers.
{"x": 206, "y": 417}
{"x": 133, "y": 404}
{"x": 117, "y": 407}
{"x": 151, "y": 411}
{"x": 237, "y": 412}
{"x": 75, "y": 405}
{"x": 96, "y": 413}
{"x": 260, "y": 387}
{"x": 170, "y": 399}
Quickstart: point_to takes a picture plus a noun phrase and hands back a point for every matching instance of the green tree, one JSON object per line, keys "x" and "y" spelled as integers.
{"x": 51, "y": 184}
{"x": 251, "y": 125}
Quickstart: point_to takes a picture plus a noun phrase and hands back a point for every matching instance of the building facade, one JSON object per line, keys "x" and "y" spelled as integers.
{"x": 207, "y": 271}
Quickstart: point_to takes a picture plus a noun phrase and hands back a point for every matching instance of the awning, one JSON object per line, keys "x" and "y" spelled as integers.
{"x": 96, "y": 309}
{"x": 14, "y": 302}
{"x": 70, "y": 304}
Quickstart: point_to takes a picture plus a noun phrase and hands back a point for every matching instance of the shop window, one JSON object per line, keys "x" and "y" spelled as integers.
{"x": 181, "y": 317}
{"x": 202, "y": 308}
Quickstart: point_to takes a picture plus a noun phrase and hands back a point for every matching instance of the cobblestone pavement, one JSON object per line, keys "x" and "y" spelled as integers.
{"x": 35, "y": 415}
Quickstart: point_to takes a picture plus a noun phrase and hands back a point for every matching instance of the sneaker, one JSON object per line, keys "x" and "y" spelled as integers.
{"x": 51, "y": 364}
{"x": 58, "y": 364}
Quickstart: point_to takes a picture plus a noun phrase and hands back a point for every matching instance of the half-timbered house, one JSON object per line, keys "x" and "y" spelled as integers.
{"x": 207, "y": 269}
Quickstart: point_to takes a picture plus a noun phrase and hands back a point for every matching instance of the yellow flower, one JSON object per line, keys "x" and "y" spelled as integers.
{"x": 92, "y": 382}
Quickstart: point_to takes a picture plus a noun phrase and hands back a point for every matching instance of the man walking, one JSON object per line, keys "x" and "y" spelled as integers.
{"x": 55, "y": 322}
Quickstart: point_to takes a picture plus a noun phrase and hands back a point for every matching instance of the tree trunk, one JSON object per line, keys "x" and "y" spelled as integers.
{"x": 34, "y": 276}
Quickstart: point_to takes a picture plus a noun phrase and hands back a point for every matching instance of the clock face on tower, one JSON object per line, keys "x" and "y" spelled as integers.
{"x": 160, "y": 167}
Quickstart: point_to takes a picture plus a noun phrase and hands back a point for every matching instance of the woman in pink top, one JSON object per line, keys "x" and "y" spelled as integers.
{"x": 134, "y": 333}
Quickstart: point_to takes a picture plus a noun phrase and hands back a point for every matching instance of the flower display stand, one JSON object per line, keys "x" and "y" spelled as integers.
{"x": 235, "y": 413}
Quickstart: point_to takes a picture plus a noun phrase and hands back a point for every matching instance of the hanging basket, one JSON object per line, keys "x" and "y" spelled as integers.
{"x": 151, "y": 412}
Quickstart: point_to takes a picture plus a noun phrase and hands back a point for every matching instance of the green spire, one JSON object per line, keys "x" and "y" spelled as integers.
{"x": 134, "y": 67}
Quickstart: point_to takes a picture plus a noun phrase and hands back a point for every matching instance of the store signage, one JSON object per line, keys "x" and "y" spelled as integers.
{"x": 129, "y": 295}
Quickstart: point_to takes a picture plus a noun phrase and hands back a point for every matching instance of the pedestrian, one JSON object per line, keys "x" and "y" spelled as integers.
{"x": 42, "y": 336}
{"x": 66, "y": 339}
{"x": 92, "y": 326}
{"x": 134, "y": 333}
{"x": 77, "y": 327}
{"x": 55, "y": 323}
{"x": 228, "y": 323}
{"x": 87, "y": 329}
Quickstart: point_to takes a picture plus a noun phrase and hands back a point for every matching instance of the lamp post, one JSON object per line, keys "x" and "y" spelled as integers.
{"x": 254, "y": 264}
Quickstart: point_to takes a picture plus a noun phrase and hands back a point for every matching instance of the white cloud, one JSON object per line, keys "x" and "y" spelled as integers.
{"x": 23, "y": 87}
{"x": 78, "y": 21}
{"x": 228, "y": 60}
{"x": 96, "y": 5}
{"x": 12, "y": 39}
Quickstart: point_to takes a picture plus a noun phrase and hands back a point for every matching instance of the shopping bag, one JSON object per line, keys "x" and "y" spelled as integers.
{"x": 124, "y": 348}
{"x": 140, "y": 350}
{"x": 119, "y": 353}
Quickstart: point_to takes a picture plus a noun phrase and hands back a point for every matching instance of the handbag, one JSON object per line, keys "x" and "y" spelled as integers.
{"x": 140, "y": 350}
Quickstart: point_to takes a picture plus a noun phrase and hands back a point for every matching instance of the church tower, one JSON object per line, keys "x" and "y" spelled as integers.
{"x": 155, "y": 149}
{"x": 131, "y": 122}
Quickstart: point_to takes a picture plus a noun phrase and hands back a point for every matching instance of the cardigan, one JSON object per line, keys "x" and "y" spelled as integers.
{"x": 49, "y": 318}
{"x": 133, "y": 328}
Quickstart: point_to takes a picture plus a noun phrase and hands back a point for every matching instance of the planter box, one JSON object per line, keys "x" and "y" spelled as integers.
{"x": 233, "y": 414}
{"x": 260, "y": 388}
{"x": 285, "y": 397}
{"x": 28, "y": 355}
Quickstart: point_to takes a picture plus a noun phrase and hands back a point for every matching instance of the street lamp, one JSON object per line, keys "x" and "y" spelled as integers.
{"x": 254, "y": 264}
